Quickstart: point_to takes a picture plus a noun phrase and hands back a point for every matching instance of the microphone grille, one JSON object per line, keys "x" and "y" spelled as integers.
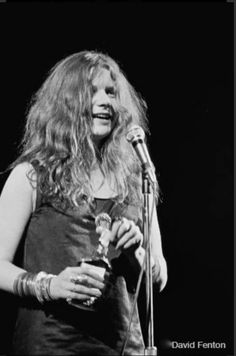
{"x": 135, "y": 132}
{"x": 104, "y": 220}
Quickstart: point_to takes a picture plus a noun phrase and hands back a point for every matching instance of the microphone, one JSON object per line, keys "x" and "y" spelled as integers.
{"x": 103, "y": 220}
{"x": 136, "y": 137}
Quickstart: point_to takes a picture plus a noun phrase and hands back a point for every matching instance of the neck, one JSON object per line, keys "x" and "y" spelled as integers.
{"x": 98, "y": 143}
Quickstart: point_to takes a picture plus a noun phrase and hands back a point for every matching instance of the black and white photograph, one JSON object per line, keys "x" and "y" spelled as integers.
{"x": 116, "y": 178}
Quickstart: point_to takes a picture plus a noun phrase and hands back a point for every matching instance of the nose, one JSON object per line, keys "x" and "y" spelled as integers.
{"x": 101, "y": 98}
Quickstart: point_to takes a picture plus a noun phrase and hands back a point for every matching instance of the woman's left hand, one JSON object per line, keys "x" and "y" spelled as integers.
{"x": 128, "y": 236}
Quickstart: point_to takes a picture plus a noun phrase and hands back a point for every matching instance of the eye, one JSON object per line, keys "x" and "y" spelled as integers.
{"x": 93, "y": 89}
{"x": 111, "y": 91}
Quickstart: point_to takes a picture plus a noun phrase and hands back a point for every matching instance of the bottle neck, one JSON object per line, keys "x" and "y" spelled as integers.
{"x": 99, "y": 258}
{"x": 101, "y": 251}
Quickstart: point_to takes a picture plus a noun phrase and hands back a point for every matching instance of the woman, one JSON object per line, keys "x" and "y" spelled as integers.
{"x": 76, "y": 163}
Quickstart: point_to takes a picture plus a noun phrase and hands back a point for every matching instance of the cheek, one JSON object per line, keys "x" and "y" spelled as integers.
{"x": 92, "y": 102}
{"x": 115, "y": 104}
{"x": 95, "y": 97}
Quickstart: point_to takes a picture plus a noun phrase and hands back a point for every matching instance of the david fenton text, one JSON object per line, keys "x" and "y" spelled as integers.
{"x": 198, "y": 345}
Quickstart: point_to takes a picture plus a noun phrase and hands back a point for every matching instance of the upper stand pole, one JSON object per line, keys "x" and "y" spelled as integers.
{"x": 150, "y": 349}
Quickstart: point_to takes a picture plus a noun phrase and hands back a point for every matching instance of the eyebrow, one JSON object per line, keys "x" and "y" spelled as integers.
{"x": 107, "y": 87}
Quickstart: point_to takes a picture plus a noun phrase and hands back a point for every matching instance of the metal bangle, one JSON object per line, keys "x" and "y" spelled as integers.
{"x": 22, "y": 285}
{"x": 29, "y": 284}
{"x": 17, "y": 284}
{"x": 46, "y": 281}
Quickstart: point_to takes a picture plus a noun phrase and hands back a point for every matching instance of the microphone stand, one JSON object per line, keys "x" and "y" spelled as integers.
{"x": 150, "y": 349}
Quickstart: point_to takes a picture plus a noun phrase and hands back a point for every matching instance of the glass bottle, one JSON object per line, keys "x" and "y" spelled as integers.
{"x": 99, "y": 260}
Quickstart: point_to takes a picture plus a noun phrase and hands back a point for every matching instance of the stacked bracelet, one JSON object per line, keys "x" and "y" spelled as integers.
{"x": 33, "y": 285}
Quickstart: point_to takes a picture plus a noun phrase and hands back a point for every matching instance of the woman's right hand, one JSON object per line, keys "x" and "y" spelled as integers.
{"x": 79, "y": 283}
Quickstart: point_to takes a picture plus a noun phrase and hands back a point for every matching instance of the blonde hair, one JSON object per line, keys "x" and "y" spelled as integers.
{"x": 58, "y": 134}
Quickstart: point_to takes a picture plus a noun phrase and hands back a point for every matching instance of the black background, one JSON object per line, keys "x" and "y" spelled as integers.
{"x": 179, "y": 56}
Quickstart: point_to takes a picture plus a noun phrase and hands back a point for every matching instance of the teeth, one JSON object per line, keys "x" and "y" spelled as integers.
{"x": 102, "y": 116}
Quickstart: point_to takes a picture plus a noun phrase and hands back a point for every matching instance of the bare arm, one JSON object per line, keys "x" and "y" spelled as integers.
{"x": 16, "y": 206}
{"x": 158, "y": 261}
{"x": 160, "y": 269}
{"x": 17, "y": 203}
{"x": 128, "y": 235}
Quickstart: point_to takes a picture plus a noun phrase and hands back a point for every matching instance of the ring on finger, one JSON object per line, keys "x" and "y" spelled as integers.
{"x": 69, "y": 299}
{"x": 79, "y": 279}
{"x": 90, "y": 301}
{"x": 73, "y": 279}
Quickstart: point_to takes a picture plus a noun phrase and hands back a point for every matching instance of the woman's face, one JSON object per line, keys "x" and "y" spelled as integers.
{"x": 103, "y": 100}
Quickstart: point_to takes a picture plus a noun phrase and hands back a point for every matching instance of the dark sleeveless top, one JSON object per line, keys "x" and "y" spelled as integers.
{"x": 55, "y": 239}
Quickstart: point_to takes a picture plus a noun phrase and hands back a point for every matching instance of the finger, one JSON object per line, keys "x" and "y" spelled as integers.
{"x": 72, "y": 295}
{"x": 115, "y": 228}
{"x": 68, "y": 290}
{"x": 83, "y": 290}
{"x": 124, "y": 239}
{"x": 124, "y": 227}
{"x": 132, "y": 237}
{"x": 84, "y": 269}
{"x": 88, "y": 281}
{"x": 134, "y": 242}
{"x": 127, "y": 231}
{"x": 78, "y": 290}
{"x": 92, "y": 274}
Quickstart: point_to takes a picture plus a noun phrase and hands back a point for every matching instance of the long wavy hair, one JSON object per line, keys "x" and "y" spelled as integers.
{"x": 58, "y": 139}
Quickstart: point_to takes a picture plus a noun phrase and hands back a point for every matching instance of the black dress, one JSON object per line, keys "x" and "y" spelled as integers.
{"x": 55, "y": 239}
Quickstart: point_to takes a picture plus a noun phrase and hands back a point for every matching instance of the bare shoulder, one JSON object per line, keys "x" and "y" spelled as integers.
{"x": 16, "y": 207}
{"x": 21, "y": 182}
{"x": 23, "y": 174}
{"x": 23, "y": 168}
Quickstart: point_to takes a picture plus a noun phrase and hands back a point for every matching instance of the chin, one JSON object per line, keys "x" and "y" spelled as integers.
{"x": 101, "y": 133}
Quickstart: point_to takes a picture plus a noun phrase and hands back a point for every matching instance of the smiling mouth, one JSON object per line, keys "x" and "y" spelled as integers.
{"x": 103, "y": 116}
